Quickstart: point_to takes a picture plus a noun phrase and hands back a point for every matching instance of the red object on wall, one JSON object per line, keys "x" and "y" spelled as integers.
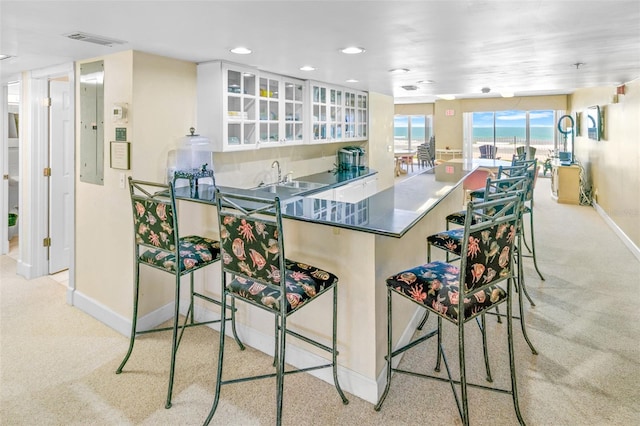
{"x": 620, "y": 90}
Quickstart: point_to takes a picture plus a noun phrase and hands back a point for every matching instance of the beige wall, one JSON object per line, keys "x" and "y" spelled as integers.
{"x": 613, "y": 164}
{"x": 161, "y": 97}
{"x": 160, "y": 94}
{"x": 380, "y": 151}
{"x": 449, "y": 128}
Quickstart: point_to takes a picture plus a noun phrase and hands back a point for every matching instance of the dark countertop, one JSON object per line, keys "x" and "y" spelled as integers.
{"x": 391, "y": 212}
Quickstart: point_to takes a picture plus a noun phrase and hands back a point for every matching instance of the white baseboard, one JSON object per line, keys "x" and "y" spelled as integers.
{"x": 350, "y": 381}
{"x": 24, "y": 270}
{"x": 114, "y": 320}
{"x": 619, "y": 232}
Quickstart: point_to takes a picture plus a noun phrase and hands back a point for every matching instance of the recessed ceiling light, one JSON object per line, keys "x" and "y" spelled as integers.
{"x": 485, "y": 89}
{"x": 352, "y": 80}
{"x": 424, "y": 82}
{"x": 240, "y": 50}
{"x": 307, "y": 68}
{"x": 4, "y": 57}
{"x": 398, "y": 70}
{"x": 447, "y": 97}
{"x": 352, "y": 50}
{"x": 412, "y": 87}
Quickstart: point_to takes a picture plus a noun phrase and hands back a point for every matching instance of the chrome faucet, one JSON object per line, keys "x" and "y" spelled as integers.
{"x": 277, "y": 163}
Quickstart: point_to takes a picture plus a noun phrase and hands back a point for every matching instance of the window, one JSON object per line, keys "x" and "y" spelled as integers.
{"x": 409, "y": 131}
{"x": 512, "y": 130}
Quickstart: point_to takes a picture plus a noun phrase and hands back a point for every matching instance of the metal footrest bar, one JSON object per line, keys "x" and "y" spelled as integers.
{"x": 444, "y": 379}
{"x": 310, "y": 341}
{"x": 413, "y": 343}
{"x": 266, "y": 376}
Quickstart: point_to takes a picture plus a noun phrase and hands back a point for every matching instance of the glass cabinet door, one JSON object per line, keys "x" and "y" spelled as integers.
{"x": 362, "y": 118}
{"x": 293, "y": 110}
{"x": 335, "y": 114}
{"x": 269, "y": 116}
{"x": 350, "y": 115}
{"x": 241, "y": 108}
{"x": 319, "y": 112}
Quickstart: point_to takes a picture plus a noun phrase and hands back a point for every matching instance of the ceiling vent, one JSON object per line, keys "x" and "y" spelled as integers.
{"x": 95, "y": 39}
{"x": 410, "y": 87}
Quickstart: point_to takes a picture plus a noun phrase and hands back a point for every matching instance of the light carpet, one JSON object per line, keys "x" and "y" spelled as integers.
{"x": 58, "y": 364}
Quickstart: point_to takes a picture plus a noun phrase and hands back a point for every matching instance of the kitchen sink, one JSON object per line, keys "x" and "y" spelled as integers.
{"x": 291, "y": 188}
{"x": 306, "y": 186}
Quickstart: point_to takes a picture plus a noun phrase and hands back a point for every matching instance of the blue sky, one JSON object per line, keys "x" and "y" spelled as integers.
{"x": 513, "y": 119}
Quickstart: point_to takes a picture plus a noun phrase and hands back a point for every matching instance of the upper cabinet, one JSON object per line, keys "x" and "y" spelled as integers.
{"x": 338, "y": 114}
{"x": 281, "y": 110}
{"x": 228, "y": 105}
{"x": 243, "y": 108}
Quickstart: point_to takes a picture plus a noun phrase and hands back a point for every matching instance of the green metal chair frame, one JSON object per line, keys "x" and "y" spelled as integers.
{"x": 486, "y": 215}
{"x": 532, "y": 170}
{"x": 159, "y": 197}
{"x": 497, "y": 189}
{"x": 265, "y": 216}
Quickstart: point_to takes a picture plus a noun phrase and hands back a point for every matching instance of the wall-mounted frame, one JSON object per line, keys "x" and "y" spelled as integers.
{"x": 594, "y": 123}
{"x": 577, "y": 124}
{"x": 120, "y": 158}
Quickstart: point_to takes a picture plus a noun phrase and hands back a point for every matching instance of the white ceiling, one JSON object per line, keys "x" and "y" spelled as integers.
{"x": 526, "y": 47}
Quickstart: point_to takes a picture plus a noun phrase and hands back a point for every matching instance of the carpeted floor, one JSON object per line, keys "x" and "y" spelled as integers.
{"x": 58, "y": 364}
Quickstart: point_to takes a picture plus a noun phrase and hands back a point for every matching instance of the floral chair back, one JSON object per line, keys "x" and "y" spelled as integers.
{"x": 251, "y": 247}
{"x": 154, "y": 216}
{"x": 488, "y": 243}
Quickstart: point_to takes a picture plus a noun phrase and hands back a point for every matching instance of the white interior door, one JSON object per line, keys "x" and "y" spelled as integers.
{"x": 4, "y": 183}
{"x": 60, "y": 184}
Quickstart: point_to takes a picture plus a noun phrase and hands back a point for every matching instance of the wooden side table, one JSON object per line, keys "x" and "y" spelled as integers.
{"x": 565, "y": 184}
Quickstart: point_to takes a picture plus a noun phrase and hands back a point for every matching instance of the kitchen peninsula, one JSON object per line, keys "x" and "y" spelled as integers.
{"x": 362, "y": 243}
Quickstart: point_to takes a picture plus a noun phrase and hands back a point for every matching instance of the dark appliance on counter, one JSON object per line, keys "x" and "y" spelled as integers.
{"x": 351, "y": 157}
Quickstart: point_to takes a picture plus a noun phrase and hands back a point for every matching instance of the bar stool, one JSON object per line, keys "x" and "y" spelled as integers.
{"x": 255, "y": 271}
{"x": 158, "y": 245}
{"x": 451, "y": 240}
{"x": 460, "y": 294}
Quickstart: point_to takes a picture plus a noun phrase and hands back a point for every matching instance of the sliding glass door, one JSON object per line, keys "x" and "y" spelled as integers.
{"x": 511, "y": 131}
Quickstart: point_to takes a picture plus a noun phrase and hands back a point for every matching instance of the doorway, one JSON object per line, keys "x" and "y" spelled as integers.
{"x": 47, "y": 173}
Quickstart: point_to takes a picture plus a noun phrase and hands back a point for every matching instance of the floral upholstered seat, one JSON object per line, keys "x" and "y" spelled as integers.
{"x": 255, "y": 271}
{"x": 195, "y": 251}
{"x": 158, "y": 245}
{"x": 450, "y": 240}
{"x": 252, "y": 248}
{"x": 460, "y": 294}
{"x": 436, "y": 285}
{"x": 303, "y": 283}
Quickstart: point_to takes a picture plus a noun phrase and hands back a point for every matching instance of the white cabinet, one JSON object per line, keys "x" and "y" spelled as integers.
{"x": 357, "y": 190}
{"x": 242, "y": 108}
{"x": 228, "y": 105}
{"x": 352, "y": 192}
{"x": 338, "y": 114}
{"x": 281, "y": 110}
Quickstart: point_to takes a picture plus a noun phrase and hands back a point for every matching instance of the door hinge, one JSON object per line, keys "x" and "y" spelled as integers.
{"x": 46, "y": 102}
{"x": 46, "y": 242}
{"x": 46, "y": 172}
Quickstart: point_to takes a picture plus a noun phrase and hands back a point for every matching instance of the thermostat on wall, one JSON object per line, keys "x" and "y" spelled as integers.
{"x": 119, "y": 112}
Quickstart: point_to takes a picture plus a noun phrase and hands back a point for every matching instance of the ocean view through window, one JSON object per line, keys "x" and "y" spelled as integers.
{"x": 510, "y": 130}
{"x": 409, "y": 131}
